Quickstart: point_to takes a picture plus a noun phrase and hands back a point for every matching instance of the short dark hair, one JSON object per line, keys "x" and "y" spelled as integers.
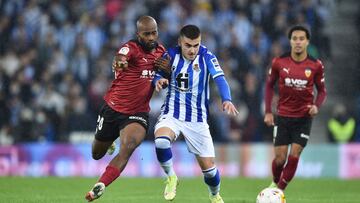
{"x": 190, "y": 31}
{"x": 301, "y": 28}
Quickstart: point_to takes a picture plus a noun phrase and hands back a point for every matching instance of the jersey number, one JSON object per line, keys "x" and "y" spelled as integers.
{"x": 100, "y": 122}
{"x": 182, "y": 80}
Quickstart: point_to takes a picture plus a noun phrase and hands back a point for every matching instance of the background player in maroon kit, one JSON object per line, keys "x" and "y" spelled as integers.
{"x": 296, "y": 73}
{"x": 125, "y": 112}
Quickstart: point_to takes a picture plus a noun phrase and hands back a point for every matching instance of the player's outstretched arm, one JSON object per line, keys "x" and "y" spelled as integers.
{"x": 225, "y": 94}
{"x": 229, "y": 108}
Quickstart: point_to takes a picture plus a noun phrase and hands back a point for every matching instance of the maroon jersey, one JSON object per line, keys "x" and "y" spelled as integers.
{"x": 296, "y": 82}
{"x": 131, "y": 90}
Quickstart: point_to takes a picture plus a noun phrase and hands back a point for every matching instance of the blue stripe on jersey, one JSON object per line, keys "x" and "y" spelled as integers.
{"x": 207, "y": 95}
{"x": 167, "y": 100}
{"x": 189, "y": 95}
{"x": 200, "y": 90}
{"x": 177, "y": 93}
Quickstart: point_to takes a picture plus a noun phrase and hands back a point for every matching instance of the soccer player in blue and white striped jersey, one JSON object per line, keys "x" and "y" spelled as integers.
{"x": 186, "y": 108}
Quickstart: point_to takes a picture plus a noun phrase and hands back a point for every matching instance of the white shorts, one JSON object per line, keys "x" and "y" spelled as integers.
{"x": 197, "y": 134}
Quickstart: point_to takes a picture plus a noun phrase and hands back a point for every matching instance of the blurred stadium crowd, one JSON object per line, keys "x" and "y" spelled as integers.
{"x": 55, "y": 57}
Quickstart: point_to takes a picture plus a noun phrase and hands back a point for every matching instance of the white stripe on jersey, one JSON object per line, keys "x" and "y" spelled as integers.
{"x": 196, "y": 77}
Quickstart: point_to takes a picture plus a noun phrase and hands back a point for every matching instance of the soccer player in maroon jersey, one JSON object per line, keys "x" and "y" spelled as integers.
{"x": 296, "y": 74}
{"x": 125, "y": 112}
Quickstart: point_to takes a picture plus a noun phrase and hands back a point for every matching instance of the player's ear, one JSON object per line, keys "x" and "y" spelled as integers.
{"x": 179, "y": 41}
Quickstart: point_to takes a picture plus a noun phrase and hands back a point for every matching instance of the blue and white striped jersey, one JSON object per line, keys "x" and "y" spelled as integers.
{"x": 188, "y": 91}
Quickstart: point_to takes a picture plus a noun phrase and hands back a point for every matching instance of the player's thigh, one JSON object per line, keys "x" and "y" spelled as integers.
{"x": 167, "y": 126}
{"x": 281, "y": 134}
{"x": 132, "y": 135}
{"x": 300, "y": 131}
{"x": 133, "y": 129}
{"x": 198, "y": 139}
{"x": 205, "y": 162}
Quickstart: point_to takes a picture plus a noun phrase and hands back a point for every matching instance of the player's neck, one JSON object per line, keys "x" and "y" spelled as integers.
{"x": 186, "y": 59}
{"x": 299, "y": 57}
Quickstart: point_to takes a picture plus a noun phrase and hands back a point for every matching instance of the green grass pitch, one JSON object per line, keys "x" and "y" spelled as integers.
{"x": 149, "y": 190}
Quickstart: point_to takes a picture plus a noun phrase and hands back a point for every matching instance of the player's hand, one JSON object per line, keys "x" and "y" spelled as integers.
{"x": 229, "y": 108}
{"x": 120, "y": 63}
{"x": 161, "y": 84}
{"x": 269, "y": 119}
{"x": 163, "y": 64}
{"x": 313, "y": 110}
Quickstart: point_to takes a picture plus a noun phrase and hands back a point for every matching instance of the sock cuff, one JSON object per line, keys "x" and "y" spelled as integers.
{"x": 162, "y": 142}
{"x": 211, "y": 172}
{"x": 293, "y": 158}
{"x": 212, "y": 178}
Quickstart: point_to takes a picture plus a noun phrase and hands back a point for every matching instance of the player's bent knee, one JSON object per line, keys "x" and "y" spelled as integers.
{"x": 280, "y": 160}
{"x": 97, "y": 156}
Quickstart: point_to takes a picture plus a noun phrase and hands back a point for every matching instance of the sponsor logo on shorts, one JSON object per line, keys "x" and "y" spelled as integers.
{"x": 304, "y": 136}
{"x": 138, "y": 118}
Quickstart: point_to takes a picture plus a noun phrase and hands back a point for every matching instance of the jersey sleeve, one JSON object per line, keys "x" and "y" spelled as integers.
{"x": 223, "y": 88}
{"x": 319, "y": 81}
{"x": 127, "y": 50}
{"x": 213, "y": 65}
{"x": 273, "y": 76}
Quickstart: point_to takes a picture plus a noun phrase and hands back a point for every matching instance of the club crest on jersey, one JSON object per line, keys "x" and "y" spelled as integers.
{"x": 124, "y": 50}
{"x": 307, "y": 72}
{"x": 196, "y": 67}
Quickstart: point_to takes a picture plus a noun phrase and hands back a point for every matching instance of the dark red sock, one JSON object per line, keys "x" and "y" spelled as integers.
{"x": 288, "y": 172}
{"x": 276, "y": 170}
{"x": 110, "y": 174}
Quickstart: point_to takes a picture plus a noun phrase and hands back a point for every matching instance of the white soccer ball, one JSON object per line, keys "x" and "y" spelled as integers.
{"x": 271, "y": 195}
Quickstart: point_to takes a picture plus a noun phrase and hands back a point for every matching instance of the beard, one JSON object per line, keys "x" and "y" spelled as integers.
{"x": 148, "y": 46}
{"x": 298, "y": 53}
